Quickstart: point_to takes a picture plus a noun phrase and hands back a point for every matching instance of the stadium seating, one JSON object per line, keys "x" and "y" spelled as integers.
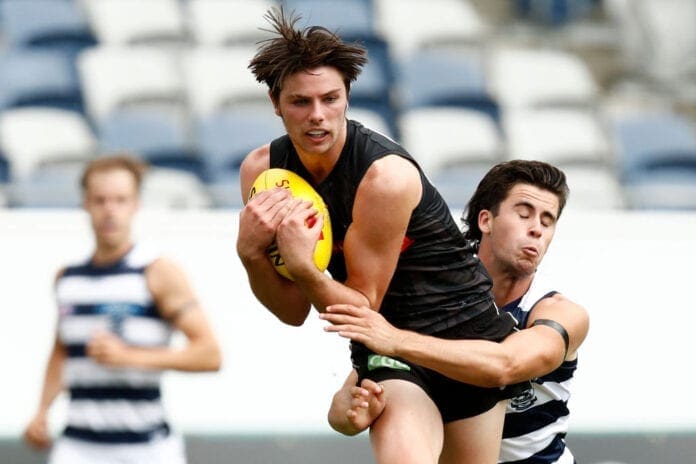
{"x": 409, "y": 25}
{"x": 222, "y": 22}
{"x": 555, "y": 12}
{"x": 593, "y": 187}
{"x": 216, "y": 77}
{"x": 45, "y": 24}
{"x": 372, "y": 119}
{"x": 347, "y": 18}
{"x": 48, "y": 186}
{"x": 116, "y": 76}
{"x": 539, "y": 77}
{"x": 657, "y": 160}
{"x": 136, "y": 22}
{"x": 36, "y": 77}
{"x": 564, "y": 136}
{"x": 159, "y": 136}
{"x": 30, "y": 137}
{"x": 223, "y": 138}
{"x": 169, "y": 79}
{"x": 460, "y": 82}
{"x": 440, "y": 138}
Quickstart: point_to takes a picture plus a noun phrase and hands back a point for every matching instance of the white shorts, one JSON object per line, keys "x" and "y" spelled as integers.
{"x": 168, "y": 450}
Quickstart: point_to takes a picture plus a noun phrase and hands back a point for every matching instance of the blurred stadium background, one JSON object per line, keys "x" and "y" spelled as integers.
{"x": 606, "y": 89}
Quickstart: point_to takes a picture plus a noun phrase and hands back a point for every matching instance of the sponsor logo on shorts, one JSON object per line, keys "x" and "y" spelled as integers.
{"x": 377, "y": 361}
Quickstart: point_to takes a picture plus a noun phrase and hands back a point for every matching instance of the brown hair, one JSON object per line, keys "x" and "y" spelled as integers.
{"x": 112, "y": 162}
{"x": 497, "y": 183}
{"x": 297, "y": 50}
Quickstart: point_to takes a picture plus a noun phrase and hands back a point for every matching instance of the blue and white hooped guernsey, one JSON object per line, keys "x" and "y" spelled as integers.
{"x": 111, "y": 405}
{"x": 536, "y": 422}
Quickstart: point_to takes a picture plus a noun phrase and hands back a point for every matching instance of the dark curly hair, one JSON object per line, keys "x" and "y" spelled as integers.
{"x": 295, "y": 50}
{"x": 497, "y": 183}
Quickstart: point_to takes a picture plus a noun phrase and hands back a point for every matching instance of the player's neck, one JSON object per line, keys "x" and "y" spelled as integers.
{"x": 106, "y": 254}
{"x": 508, "y": 287}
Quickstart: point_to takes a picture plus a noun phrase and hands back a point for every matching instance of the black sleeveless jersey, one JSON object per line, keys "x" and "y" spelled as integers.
{"x": 438, "y": 282}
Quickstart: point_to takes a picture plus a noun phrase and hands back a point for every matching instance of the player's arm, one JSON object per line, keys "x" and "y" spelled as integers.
{"x": 258, "y": 222}
{"x": 176, "y": 302}
{"x": 36, "y": 433}
{"x": 384, "y": 202}
{"x": 529, "y": 353}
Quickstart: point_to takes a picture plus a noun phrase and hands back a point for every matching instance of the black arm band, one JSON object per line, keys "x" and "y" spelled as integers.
{"x": 557, "y": 327}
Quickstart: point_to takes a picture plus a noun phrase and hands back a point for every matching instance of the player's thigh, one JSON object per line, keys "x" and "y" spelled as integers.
{"x": 409, "y": 430}
{"x": 474, "y": 440}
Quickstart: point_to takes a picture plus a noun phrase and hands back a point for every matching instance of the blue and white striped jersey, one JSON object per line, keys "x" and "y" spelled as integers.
{"x": 108, "y": 404}
{"x": 536, "y": 422}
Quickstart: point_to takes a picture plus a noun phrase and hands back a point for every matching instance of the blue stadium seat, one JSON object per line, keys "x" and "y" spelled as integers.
{"x": 352, "y": 18}
{"x": 555, "y": 12}
{"x": 655, "y": 142}
{"x": 30, "y": 77}
{"x": 4, "y": 169}
{"x": 443, "y": 78}
{"x": 160, "y": 137}
{"x": 45, "y": 23}
{"x": 657, "y": 161}
{"x": 224, "y": 138}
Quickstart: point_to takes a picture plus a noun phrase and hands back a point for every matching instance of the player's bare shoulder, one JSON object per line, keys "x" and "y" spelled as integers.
{"x": 257, "y": 161}
{"x": 392, "y": 176}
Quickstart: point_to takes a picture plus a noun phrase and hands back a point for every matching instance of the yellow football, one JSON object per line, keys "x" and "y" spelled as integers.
{"x": 300, "y": 188}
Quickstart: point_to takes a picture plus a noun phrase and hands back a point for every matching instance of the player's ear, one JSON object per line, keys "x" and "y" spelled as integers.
{"x": 276, "y": 107}
{"x": 484, "y": 221}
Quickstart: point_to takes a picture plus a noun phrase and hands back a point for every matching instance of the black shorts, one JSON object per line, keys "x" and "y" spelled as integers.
{"x": 455, "y": 400}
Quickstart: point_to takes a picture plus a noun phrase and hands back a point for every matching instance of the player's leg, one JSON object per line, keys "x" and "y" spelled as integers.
{"x": 409, "y": 430}
{"x": 476, "y": 439}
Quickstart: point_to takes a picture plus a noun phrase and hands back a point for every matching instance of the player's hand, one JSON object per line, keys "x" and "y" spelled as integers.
{"x": 363, "y": 325}
{"x": 259, "y": 219}
{"x": 106, "y": 348}
{"x": 297, "y": 237}
{"x": 36, "y": 434}
{"x": 367, "y": 404}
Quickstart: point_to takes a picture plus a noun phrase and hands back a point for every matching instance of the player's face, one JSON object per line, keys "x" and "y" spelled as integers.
{"x": 313, "y": 106}
{"x": 522, "y": 231}
{"x": 111, "y": 200}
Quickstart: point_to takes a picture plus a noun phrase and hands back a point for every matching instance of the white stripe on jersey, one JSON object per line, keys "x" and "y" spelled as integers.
{"x": 117, "y": 288}
{"x": 524, "y": 446}
{"x": 115, "y": 415}
{"x": 84, "y": 372}
{"x": 146, "y": 331}
{"x": 75, "y": 330}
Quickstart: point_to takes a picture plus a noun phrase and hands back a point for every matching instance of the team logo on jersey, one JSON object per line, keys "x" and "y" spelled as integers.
{"x": 523, "y": 401}
{"x": 377, "y": 361}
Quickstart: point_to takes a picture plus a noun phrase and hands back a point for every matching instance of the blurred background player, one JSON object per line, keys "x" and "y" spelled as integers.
{"x": 117, "y": 312}
{"x": 512, "y": 216}
{"x": 398, "y": 247}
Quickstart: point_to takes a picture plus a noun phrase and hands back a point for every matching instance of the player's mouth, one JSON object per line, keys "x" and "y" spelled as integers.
{"x": 530, "y": 251}
{"x": 317, "y": 135}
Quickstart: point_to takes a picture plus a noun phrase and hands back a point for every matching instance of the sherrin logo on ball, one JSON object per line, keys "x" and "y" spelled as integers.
{"x": 300, "y": 188}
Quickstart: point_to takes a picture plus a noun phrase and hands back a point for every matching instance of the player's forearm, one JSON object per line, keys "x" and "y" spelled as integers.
{"x": 196, "y": 356}
{"x": 475, "y": 362}
{"x": 276, "y": 293}
{"x": 53, "y": 378}
{"x": 322, "y": 291}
